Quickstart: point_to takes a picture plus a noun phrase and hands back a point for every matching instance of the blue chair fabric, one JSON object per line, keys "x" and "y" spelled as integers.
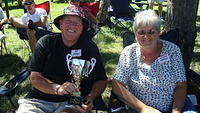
{"x": 121, "y": 11}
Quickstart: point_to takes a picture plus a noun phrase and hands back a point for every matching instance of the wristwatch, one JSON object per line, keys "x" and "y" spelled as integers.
{"x": 56, "y": 89}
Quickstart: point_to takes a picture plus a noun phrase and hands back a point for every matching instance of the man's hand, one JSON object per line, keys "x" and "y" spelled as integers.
{"x": 88, "y": 103}
{"x": 86, "y": 106}
{"x": 67, "y": 88}
{"x": 31, "y": 25}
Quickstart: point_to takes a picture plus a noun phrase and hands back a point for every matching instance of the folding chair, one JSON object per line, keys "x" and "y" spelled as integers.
{"x": 99, "y": 105}
{"x": 115, "y": 105}
{"x": 2, "y": 41}
{"x": 120, "y": 12}
{"x": 2, "y": 35}
{"x": 172, "y": 36}
{"x": 9, "y": 87}
{"x": 46, "y": 6}
{"x": 94, "y": 8}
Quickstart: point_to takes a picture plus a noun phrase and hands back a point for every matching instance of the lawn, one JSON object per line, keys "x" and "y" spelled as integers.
{"x": 108, "y": 41}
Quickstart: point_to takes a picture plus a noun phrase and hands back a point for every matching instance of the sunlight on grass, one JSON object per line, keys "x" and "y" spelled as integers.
{"x": 195, "y": 64}
{"x": 110, "y": 48}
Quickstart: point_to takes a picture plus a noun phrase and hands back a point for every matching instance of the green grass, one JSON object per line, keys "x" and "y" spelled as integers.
{"x": 195, "y": 64}
{"x": 109, "y": 43}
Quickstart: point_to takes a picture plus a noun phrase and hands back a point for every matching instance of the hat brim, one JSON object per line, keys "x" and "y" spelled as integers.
{"x": 57, "y": 22}
{"x": 74, "y": 0}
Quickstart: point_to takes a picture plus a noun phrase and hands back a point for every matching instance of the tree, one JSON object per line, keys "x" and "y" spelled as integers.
{"x": 103, "y": 13}
{"x": 182, "y": 14}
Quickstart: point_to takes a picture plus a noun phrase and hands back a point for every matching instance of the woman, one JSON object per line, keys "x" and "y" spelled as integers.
{"x": 152, "y": 69}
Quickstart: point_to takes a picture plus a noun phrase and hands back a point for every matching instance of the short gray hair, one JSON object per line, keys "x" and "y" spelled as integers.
{"x": 147, "y": 18}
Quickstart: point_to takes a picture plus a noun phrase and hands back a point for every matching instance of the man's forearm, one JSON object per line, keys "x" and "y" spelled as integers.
{"x": 17, "y": 23}
{"x": 41, "y": 83}
{"x": 42, "y": 22}
{"x": 98, "y": 89}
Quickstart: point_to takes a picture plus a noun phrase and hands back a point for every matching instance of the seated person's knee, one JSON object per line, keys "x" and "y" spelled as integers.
{"x": 31, "y": 33}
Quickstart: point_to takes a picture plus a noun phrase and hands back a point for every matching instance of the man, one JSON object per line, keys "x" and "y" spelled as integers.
{"x": 3, "y": 18}
{"x": 51, "y": 68}
{"x": 33, "y": 24}
{"x": 160, "y": 7}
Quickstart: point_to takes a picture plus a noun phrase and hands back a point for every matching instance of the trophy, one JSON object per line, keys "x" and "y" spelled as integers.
{"x": 79, "y": 69}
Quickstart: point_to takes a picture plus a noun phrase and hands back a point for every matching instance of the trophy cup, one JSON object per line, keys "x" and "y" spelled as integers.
{"x": 79, "y": 69}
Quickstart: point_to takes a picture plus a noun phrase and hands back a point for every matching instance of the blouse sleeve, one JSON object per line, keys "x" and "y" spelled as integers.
{"x": 124, "y": 70}
{"x": 178, "y": 65}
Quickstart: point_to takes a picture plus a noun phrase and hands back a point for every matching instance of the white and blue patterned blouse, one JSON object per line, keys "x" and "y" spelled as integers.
{"x": 152, "y": 84}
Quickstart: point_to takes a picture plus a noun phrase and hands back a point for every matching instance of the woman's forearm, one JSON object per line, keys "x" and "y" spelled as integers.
{"x": 179, "y": 97}
{"x": 125, "y": 96}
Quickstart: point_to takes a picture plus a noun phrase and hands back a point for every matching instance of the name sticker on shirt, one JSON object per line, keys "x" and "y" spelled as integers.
{"x": 76, "y": 53}
{"x": 163, "y": 59}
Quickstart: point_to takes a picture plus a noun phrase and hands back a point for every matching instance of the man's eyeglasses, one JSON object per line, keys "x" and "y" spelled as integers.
{"x": 150, "y": 32}
{"x": 28, "y": 3}
{"x": 69, "y": 22}
{"x": 75, "y": 0}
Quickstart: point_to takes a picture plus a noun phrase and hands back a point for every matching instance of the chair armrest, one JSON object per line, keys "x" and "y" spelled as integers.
{"x": 99, "y": 104}
{"x": 9, "y": 86}
{"x": 195, "y": 77}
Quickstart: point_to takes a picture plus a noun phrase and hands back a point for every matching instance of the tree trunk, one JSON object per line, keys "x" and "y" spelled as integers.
{"x": 182, "y": 14}
{"x": 103, "y": 13}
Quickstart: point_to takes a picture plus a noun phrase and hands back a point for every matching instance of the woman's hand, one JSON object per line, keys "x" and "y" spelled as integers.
{"x": 67, "y": 88}
{"x": 176, "y": 111}
{"x": 149, "y": 109}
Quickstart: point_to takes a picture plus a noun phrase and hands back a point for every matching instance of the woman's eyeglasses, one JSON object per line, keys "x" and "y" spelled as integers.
{"x": 28, "y": 3}
{"x": 150, "y": 32}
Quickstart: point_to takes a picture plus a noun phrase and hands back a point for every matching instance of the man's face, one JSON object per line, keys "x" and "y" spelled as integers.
{"x": 29, "y": 5}
{"x": 71, "y": 27}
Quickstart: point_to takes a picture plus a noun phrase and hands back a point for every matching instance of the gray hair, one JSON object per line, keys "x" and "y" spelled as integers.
{"x": 147, "y": 18}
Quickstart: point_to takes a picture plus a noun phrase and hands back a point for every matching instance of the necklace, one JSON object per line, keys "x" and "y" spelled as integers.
{"x": 151, "y": 57}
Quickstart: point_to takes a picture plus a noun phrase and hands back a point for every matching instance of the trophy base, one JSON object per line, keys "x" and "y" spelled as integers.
{"x": 75, "y": 100}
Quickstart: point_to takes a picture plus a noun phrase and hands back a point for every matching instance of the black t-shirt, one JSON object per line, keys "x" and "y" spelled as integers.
{"x": 49, "y": 58}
